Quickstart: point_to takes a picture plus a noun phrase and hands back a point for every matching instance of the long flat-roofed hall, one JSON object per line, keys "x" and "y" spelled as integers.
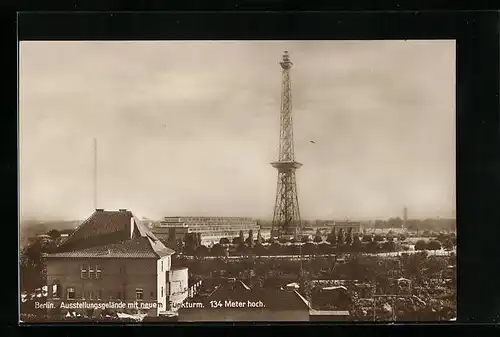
{"x": 211, "y": 229}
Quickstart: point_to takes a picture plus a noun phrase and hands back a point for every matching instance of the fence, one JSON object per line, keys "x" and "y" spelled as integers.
{"x": 304, "y": 256}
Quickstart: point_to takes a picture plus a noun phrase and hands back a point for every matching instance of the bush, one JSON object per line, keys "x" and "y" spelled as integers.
{"x": 420, "y": 245}
{"x": 434, "y": 245}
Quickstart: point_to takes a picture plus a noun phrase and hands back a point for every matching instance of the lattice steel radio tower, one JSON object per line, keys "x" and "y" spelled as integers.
{"x": 286, "y": 218}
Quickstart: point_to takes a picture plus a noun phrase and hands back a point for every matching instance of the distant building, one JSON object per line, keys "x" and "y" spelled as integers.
{"x": 355, "y": 226}
{"x": 112, "y": 256}
{"x": 211, "y": 229}
{"x": 235, "y": 301}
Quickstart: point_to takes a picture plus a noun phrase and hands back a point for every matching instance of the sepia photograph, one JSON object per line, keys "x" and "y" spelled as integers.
{"x": 215, "y": 181}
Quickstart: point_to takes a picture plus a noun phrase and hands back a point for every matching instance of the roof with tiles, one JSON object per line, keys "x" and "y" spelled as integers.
{"x": 107, "y": 234}
{"x": 112, "y": 224}
{"x": 135, "y": 248}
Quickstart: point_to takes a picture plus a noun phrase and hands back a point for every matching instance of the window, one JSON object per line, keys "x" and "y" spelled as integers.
{"x": 152, "y": 294}
{"x": 162, "y": 266}
{"x": 98, "y": 272}
{"x": 98, "y": 294}
{"x": 70, "y": 293}
{"x": 119, "y": 295}
{"x": 139, "y": 294}
{"x": 91, "y": 272}
{"x": 91, "y": 295}
{"x": 161, "y": 291}
{"x": 56, "y": 290}
{"x": 83, "y": 271}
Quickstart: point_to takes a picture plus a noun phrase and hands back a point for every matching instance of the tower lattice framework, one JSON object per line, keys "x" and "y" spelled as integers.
{"x": 286, "y": 217}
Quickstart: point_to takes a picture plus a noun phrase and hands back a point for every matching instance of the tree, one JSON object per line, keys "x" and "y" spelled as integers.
{"x": 236, "y": 240}
{"x": 348, "y": 238}
{"x": 274, "y": 249}
{"x": 54, "y": 234}
{"x": 401, "y": 237}
{"x": 332, "y": 238}
{"x": 389, "y": 246}
{"x": 372, "y": 247}
{"x": 33, "y": 272}
{"x": 340, "y": 237}
{"x": 259, "y": 237}
{"x": 367, "y": 238}
{"x": 434, "y": 245}
{"x": 442, "y": 237}
{"x": 202, "y": 250}
{"x": 217, "y": 250}
{"x": 241, "y": 249}
{"x": 390, "y": 236}
{"x": 224, "y": 241}
{"x": 309, "y": 249}
{"x": 249, "y": 240}
{"x": 420, "y": 245}
{"x": 324, "y": 248}
{"x": 191, "y": 242}
{"x": 241, "y": 240}
{"x": 318, "y": 239}
{"x": 260, "y": 249}
{"x": 356, "y": 243}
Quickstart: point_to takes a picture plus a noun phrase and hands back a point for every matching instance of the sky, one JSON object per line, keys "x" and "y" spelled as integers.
{"x": 190, "y": 127}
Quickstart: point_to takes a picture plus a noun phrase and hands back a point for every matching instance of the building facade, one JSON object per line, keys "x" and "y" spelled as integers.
{"x": 211, "y": 229}
{"x": 113, "y": 257}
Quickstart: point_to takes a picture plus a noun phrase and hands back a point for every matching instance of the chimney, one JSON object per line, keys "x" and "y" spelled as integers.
{"x": 123, "y": 209}
{"x": 99, "y": 210}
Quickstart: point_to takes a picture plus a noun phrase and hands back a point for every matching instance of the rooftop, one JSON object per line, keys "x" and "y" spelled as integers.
{"x": 273, "y": 299}
{"x": 111, "y": 234}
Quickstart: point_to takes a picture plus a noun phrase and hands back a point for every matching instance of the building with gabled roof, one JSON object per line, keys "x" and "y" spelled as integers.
{"x": 113, "y": 257}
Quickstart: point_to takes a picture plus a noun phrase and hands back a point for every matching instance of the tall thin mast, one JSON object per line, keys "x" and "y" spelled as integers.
{"x": 95, "y": 173}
